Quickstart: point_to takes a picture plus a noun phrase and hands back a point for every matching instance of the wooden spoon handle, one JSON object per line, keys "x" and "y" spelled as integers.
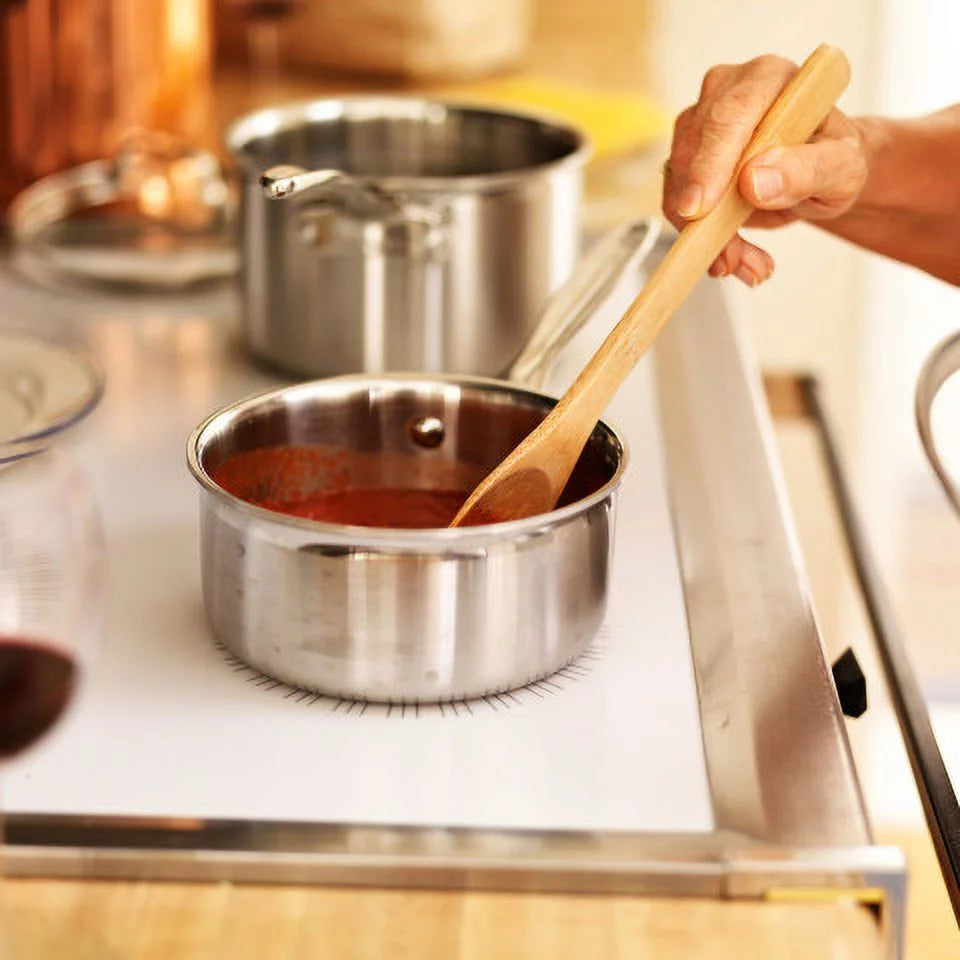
{"x": 532, "y": 477}
{"x": 794, "y": 116}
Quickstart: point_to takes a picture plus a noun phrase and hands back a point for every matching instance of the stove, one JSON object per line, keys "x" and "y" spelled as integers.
{"x": 168, "y": 725}
{"x": 696, "y": 748}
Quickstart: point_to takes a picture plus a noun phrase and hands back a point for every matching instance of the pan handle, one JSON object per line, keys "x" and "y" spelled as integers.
{"x": 942, "y": 363}
{"x": 575, "y": 303}
{"x": 354, "y": 196}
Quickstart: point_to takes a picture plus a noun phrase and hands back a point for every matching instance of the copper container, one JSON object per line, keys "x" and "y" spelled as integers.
{"x": 77, "y": 76}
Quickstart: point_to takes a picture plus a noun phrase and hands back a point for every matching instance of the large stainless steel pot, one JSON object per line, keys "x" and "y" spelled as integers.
{"x": 942, "y": 364}
{"x": 411, "y": 234}
{"x": 413, "y": 615}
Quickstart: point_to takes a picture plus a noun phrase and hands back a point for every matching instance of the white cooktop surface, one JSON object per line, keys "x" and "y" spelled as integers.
{"x": 165, "y": 725}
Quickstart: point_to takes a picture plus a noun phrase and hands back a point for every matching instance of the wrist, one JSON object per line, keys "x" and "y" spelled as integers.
{"x": 911, "y": 165}
{"x": 877, "y": 145}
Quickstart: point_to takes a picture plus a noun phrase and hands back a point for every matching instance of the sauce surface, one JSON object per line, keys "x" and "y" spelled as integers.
{"x": 368, "y": 489}
{"x": 376, "y": 507}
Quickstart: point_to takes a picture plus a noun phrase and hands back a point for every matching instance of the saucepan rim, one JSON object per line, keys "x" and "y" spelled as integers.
{"x": 430, "y": 537}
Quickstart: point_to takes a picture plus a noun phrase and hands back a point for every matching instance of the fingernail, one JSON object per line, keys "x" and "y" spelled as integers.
{"x": 720, "y": 268}
{"x": 691, "y": 200}
{"x": 745, "y": 274}
{"x": 767, "y": 182}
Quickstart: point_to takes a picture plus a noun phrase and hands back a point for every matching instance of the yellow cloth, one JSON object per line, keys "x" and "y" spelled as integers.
{"x": 615, "y": 122}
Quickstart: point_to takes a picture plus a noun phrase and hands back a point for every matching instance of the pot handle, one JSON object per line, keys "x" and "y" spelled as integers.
{"x": 413, "y": 229}
{"x": 942, "y": 363}
{"x": 357, "y": 197}
{"x": 576, "y": 302}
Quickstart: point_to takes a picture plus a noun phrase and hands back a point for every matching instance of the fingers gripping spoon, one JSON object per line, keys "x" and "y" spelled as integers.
{"x": 531, "y": 478}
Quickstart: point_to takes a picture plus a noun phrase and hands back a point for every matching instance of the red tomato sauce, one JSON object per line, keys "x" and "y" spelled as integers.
{"x": 366, "y": 489}
{"x": 378, "y": 507}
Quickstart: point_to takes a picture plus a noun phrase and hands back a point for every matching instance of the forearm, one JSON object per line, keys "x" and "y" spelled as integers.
{"x": 909, "y": 208}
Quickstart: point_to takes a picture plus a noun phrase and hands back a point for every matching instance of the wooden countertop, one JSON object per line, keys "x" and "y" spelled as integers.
{"x": 144, "y": 921}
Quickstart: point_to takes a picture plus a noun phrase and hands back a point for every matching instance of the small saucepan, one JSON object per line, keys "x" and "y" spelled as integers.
{"x": 411, "y": 615}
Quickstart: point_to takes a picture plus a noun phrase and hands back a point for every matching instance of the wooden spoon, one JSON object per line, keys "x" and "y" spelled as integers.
{"x": 532, "y": 477}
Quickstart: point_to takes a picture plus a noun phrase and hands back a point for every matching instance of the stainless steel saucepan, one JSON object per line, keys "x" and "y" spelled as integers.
{"x": 410, "y": 615}
{"x": 391, "y": 233}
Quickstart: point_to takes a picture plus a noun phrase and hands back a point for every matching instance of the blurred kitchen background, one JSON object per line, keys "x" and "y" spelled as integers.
{"x": 622, "y": 69}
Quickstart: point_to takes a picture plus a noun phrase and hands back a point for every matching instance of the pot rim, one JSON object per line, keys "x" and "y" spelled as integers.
{"x": 382, "y": 536}
{"x": 286, "y": 116}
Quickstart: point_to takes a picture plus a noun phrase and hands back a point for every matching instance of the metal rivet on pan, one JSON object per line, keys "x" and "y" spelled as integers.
{"x": 427, "y": 432}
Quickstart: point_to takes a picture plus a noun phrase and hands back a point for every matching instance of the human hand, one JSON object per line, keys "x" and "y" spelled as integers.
{"x": 818, "y": 180}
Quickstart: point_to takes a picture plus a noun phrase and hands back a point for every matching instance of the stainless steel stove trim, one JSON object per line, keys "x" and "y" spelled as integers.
{"x": 788, "y": 807}
{"x": 715, "y": 864}
{"x": 777, "y": 752}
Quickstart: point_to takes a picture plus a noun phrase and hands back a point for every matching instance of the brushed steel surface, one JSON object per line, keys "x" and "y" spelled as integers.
{"x": 431, "y": 240}
{"x": 401, "y": 615}
{"x": 669, "y": 864}
{"x": 777, "y": 751}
